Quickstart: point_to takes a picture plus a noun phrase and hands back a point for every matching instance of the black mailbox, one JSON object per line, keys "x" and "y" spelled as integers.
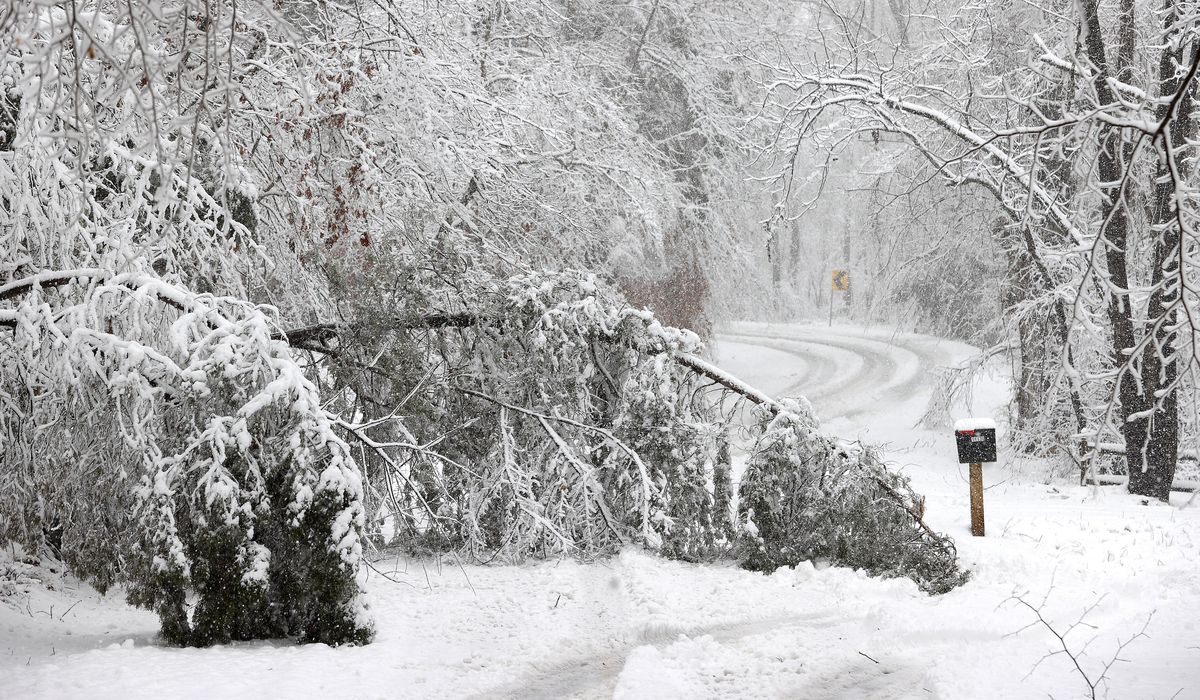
{"x": 976, "y": 438}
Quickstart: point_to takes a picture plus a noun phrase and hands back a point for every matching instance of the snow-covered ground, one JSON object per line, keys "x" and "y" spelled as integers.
{"x": 640, "y": 627}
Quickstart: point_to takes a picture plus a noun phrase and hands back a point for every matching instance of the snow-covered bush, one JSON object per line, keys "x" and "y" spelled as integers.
{"x": 236, "y": 485}
{"x": 806, "y": 497}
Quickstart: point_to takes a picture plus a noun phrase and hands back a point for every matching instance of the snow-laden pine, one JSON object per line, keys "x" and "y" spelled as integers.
{"x": 201, "y": 439}
{"x": 807, "y": 497}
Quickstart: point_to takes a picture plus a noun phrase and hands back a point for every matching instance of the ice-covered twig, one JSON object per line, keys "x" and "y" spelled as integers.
{"x": 1076, "y": 655}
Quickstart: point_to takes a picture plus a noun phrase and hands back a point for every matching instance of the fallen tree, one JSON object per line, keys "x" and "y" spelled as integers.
{"x": 178, "y": 433}
{"x": 804, "y": 495}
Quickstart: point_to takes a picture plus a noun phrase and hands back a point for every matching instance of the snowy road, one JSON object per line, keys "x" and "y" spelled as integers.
{"x": 637, "y": 626}
{"x": 868, "y": 384}
{"x": 842, "y": 373}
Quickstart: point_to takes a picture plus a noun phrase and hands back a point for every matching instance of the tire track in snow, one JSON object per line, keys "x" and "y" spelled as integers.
{"x": 846, "y": 375}
{"x": 863, "y": 677}
{"x": 595, "y": 675}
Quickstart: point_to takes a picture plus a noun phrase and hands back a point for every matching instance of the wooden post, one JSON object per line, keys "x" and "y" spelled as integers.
{"x": 977, "y": 499}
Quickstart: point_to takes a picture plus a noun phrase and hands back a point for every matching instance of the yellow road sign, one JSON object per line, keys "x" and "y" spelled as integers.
{"x": 841, "y": 280}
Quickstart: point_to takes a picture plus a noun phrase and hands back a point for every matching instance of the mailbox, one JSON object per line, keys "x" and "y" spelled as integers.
{"x": 976, "y": 438}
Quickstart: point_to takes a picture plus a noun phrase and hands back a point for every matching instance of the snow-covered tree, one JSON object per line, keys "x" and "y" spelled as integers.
{"x": 279, "y": 278}
{"x": 1080, "y": 138}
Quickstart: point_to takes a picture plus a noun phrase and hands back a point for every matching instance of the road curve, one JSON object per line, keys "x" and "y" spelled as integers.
{"x": 844, "y": 372}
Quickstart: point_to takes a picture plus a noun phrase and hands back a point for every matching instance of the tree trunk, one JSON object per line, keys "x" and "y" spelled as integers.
{"x": 775, "y": 256}
{"x": 900, "y": 16}
{"x": 1136, "y": 412}
{"x": 1045, "y": 339}
{"x": 794, "y": 265}
{"x": 1158, "y": 451}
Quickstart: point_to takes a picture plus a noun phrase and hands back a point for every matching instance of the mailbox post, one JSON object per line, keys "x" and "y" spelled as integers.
{"x": 976, "y": 440}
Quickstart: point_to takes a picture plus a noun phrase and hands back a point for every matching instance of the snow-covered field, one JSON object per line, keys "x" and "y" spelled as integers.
{"x": 640, "y": 627}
